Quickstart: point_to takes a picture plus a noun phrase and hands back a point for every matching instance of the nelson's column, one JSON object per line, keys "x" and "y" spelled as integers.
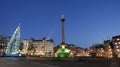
{"x": 62, "y": 50}
{"x": 63, "y": 32}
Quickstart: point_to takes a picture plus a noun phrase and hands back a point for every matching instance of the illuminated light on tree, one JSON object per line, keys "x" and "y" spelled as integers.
{"x": 14, "y": 43}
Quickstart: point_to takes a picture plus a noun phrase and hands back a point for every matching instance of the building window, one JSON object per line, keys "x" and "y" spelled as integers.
{"x": 110, "y": 49}
{"x": 118, "y": 39}
{"x": 116, "y": 46}
{"x": 109, "y": 46}
{"x": 115, "y": 43}
{"x": 118, "y": 50}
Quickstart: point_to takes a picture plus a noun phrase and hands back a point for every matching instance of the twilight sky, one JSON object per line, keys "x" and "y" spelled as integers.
{"x": 87, "y": 21}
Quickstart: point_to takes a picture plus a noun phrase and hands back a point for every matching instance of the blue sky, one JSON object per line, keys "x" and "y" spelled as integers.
{"x": 87, "y": 21}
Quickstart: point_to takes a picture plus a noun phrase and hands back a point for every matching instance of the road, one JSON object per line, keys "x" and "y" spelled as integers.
{"x": 23, "y": 62}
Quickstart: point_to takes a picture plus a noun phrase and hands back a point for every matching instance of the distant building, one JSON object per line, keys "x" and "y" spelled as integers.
{"x": 108, "y": 49}
{"x": 25, "y": 44}
{"x": 82, "y": 52}
{"x": 3, "y": 43}
{"x": 112, "y": 47}
{"x": 97, "y": 50}
{"x": 42, "y": 47}
{"x": 116, "y": 45}
{"x": 72, "y": 48}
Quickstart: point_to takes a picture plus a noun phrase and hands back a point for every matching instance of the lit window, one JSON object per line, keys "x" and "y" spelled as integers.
{"x": 116, "y": 46}
{"x": 119, "y": 55}
{"x": 119, "y": 42}
{"x": 118, "y": 50}
{"x": 110, "y": 52}
{"x": 102, "y": 50}
{"x": 91, "y": 50}
{"x": 118, "y": 39}
{"x": 116, "y": 43}
{"x": 110, "y": 49}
